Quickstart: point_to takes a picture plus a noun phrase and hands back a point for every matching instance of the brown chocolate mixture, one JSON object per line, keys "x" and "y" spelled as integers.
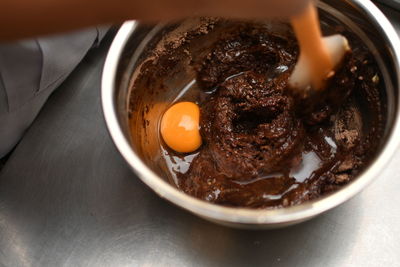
{"x": 263, "y": 150}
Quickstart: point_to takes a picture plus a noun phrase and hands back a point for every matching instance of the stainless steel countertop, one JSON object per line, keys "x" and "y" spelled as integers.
{"x": 68, "y": 199}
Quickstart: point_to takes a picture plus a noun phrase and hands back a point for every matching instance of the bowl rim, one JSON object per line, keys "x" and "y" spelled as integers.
{"x": 234, "y": 214}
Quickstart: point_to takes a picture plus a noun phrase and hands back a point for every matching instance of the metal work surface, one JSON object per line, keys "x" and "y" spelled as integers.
{"x": 68, "y": 199}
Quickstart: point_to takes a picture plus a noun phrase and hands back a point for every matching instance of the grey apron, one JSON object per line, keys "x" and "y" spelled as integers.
{"x": 30, "y": 71}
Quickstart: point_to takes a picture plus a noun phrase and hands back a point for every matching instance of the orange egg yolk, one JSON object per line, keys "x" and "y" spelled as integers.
{"x": 180, "y": 127}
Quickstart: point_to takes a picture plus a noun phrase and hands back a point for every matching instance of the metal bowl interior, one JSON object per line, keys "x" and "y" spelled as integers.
{"x": 136, "y": 136}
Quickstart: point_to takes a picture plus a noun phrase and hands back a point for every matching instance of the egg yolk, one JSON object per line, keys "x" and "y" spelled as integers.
{"x": 180, "y": 127}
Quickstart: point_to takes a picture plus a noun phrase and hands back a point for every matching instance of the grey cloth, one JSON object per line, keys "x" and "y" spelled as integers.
{"x": 30, "y": 71}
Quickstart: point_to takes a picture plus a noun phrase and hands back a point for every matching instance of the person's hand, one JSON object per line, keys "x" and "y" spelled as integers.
{"x": 153, "y": 10}
{"x": 27, "y": 18}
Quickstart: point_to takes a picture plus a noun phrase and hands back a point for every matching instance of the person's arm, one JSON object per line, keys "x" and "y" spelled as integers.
{"x": 27, "y": 18}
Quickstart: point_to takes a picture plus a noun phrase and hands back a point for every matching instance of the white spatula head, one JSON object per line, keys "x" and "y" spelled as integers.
{"x": 301, "y": 77}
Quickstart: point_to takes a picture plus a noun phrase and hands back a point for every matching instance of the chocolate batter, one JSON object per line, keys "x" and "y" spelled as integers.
{"x": 264, "y": 148}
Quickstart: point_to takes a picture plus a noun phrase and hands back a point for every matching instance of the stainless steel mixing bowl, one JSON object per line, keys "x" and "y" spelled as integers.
{"x": 126, "y": 56}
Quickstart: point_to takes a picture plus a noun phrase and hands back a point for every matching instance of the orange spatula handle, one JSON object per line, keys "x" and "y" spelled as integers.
{"x": 308, "y": 32}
